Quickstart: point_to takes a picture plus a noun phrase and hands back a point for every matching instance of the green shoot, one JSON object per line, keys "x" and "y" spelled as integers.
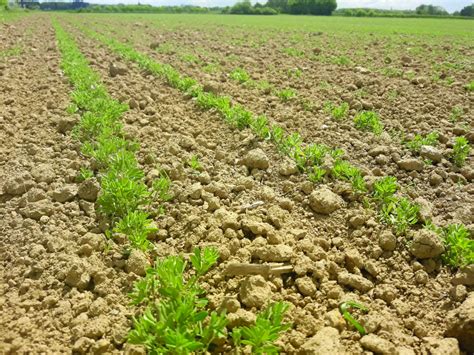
{"x": 368, "y": 121}
{"x": 137, "y": 226}
{"x": 239, "y": 75}
{"x": 337, "y": 112}
{"x": 85, "y": 174}
{"x": 317, "y": 175}
{"x": 461, "y": 151}
{"x": 401, "y": 213}
{"x": 261, "y": 128}
{"x": 194, "y": 163}
{"x": 261, "y": 337}
{"x": 418, "y": 141}
{"x": 286, "y": 94}
{"x": 345, "y": 308}
{"x": 456, "y": 114}
{"x": 384, "y": 189}
{"x": 176, "y": 319}
{"x": 459, "y": 246}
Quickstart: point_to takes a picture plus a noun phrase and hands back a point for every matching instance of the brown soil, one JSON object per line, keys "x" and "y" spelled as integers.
{"x": 63, "y": 291}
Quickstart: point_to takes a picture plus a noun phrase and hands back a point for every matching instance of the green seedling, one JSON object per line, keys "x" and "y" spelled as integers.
{"x": 293, "y": 52}
{"x": 277, "y": 134}
{"x": 261, "y": 127}
{"x": 418, "y": 141}
{"x": 368, "y": 121}
{"x": 469, "y": 86}
{"x": 85, "y": 174}
{"x": 337, "y": 112}
{"x": 268, "y": 326}
{"x": 317, "y": 175}
{"x": 286, "y": 94}
{"x": 341, "y": 60}
{"x": 295, "y": 72}
{"x": 384, "y": 189}
{"x": 346, "y": 307}
{"x": 194, "y": 163}
{"x": 456, "y": 114}
{"x": 176, "y": 319}
{"x": 239, "y": 75}
{"x": 401, "y": 214}
{"x": 461, "y": 150}
{"x": 161, "y": 187}
{"x": 137, "y": 226}
{"x": 459, "y": 246}
{"x": 343, "y": 170}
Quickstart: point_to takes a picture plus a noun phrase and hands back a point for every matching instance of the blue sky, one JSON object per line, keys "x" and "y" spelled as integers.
{"x": 450, "y": 5}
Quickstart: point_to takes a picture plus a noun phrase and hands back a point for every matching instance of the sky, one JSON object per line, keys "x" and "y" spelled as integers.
{"x": 450, "y": 5}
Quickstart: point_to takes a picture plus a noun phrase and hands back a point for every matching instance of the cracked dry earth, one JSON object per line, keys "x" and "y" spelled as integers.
{"x": 63, "y": 291}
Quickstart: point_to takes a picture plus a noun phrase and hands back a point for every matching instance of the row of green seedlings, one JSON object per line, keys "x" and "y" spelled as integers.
{"x": 175, "y": 317}
{"x": 241, "y": 76}
{"x": 399, "y": 212}
{"x": 124, "y": 196}
{"x": 369, "y": 121}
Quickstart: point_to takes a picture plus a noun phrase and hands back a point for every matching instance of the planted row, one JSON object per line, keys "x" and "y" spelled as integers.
{"x": 175, "y": 317}
{"x": 318, "y": 161}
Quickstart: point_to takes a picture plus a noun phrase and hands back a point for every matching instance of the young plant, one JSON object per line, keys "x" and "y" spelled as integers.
{"x": 317, "y": 175}
{"x": 418, "y": 141}
{"x": 461, "y": 151}
{"x": 161, "y": 187}
{"x": 85, "y": 174}
{"x": 343, "y": 170}
{"x": 175, "y": 318}
{"x": 337, "y": 112}
{"x": 268, "y": 326}
{"x": 286, "y": 94}
{"x": 239, "y": 75}
{"x": 194, "y": 163}
{"x": 137, "y": 226}
{"x": 459, "y": 246}
{"x": 368, "y": 121}
{"x": 401, "y": 214}
{"x": 346, "y": 307}
{"x": 456, "y": 114}
{"x": 260, "y": 127}
{"x": 384, "y": 189}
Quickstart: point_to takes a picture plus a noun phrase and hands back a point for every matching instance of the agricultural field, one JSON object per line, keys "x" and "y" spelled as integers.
{"x": 236, "y": 184}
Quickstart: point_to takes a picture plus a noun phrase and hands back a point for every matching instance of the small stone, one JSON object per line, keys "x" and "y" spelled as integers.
{"x": 255, "y": 291}
{"x": 137, "y": 262}
{"x": 411, "y": 164}
{"x": 357, "y": 282}
{"x": 38, "y": 209}
{"x": 96, "y": 241}
{"x": 377, "y": 344}
{"x": 458, "y": 293}
{"x": 65, "y": 193}
{"x": 256, "y": 159}
{"x": 77, "y": 275}
{"x": 421, "y": 277}
{"x": 334, "y": 319}
{"x": 241, "y": 318}
{"x": 117, "y": 69}
{"x": 325, "y": 341}
{"x": 442, "y": 346}
{"x": 465, "y": 276}
{"x": 431, "y": 153}
{"x": 65, "y": 124}
{"x": 82, "y": 345}
{"x": 288, "y": 168}
{"x": 426, "y": 244}
{"x": 324, "y": 201}
{"x": 435, "y": 179}
{"x": 43, "y": 173}
{"x": 305, "y": 285}
{"x": 88, "y": 190}
{"x": 274, "y": 253}
{"x": 460, "y": 324}
{"x": 387, "y": 241}
{"x": 426, "y": 209}
{"x": 97, "y": 327}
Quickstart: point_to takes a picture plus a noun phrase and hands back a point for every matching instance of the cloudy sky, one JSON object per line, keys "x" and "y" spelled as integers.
{"x": 450, "y": 5}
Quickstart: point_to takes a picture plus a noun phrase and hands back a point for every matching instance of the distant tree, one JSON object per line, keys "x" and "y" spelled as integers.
{"x": 313, "y": 7}
{"x": 245, "y": 8}
{"x": 431, "y": 10}
{"x": 468, "y": 11}
{"x": 279, "y": 5}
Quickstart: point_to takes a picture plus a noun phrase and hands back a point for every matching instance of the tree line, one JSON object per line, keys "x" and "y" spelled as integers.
{"x": 328, "y": 7}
